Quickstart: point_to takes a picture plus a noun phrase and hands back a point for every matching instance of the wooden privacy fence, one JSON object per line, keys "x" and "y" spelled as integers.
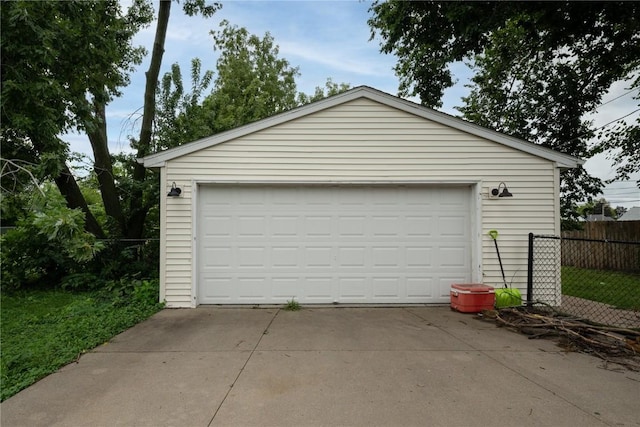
{"x": 603, "y": 246}
{"x": 628, "y": 231}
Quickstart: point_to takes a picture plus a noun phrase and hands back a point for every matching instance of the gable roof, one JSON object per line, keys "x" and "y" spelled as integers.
{"x": 562, "y": 160}
{"x": 632, "y": 214}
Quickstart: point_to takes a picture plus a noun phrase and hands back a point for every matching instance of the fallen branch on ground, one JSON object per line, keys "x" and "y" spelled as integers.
{"x": 611, "y": 344}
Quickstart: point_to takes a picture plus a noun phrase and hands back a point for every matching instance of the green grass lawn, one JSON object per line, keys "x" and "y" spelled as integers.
{"x": 621, "y": 290}
{"x": 44, "y": 330}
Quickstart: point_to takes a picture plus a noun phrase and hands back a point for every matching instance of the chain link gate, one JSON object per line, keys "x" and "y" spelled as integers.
{"x": 596, "y": 280}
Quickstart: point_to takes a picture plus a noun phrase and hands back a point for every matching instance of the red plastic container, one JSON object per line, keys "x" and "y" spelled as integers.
{"x": 472, "y": 297}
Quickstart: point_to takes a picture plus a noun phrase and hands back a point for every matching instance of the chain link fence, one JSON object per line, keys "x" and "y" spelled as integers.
{"x": 596, "y": 280}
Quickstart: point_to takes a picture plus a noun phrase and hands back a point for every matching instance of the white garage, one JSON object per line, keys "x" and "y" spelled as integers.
{"x": 361, "y": 198}
{"x": 266, "y": 244}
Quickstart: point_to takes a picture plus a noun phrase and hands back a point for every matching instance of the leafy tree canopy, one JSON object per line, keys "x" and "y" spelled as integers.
{"x": 62, "y": 62}
{"x": 251, "y": 82}
{"x": 539, "y": 68}
{"x": 600, "y": 207}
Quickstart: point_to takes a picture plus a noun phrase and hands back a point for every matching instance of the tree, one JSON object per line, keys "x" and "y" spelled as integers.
{"x": 62, "y": 62}
{"x": 180, "y": 117}
{"x": 59, "y": 58}
{"x": 623, "y": 143}
{"x": 539, "y": 67}
{"x": 600, "y": 207}
{"x": 48, "y": 243}
{"x": 330, "y": 89}
{"x": 251, "y": 82}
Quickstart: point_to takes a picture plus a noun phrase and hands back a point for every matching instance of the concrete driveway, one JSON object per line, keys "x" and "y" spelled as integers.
{"x": 327, "y": 366}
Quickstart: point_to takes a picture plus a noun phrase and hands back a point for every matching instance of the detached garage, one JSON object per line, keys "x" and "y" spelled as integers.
{"x": 361, "y": 198}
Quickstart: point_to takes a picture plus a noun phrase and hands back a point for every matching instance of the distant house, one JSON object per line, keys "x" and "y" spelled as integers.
{"x": 598, "y": 217}
{"x": 632, "y": 214}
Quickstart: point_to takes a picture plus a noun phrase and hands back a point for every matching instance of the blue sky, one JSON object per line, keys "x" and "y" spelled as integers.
{"x": 324, "y": 39}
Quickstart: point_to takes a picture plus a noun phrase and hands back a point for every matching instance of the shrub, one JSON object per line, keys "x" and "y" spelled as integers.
{"x": 47, "y": 244}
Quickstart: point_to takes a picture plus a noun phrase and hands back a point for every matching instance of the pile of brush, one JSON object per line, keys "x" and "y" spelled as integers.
{"x": 613, "y": 345}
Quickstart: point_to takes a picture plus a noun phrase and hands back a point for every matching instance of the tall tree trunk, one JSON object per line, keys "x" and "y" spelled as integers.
{"x": 135, "y": 226}
{"x": 69, "y": 188}
{"x": 103, "y": 167}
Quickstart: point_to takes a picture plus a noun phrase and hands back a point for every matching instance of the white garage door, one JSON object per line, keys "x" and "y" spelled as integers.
{"x": 265, "y": 244}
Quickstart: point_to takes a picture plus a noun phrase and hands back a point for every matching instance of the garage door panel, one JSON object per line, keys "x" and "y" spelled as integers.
{"x": 386, "y": 288}
{"x": 318, "y": 226}
{"x": 453, "y": 225}
{"x": 385, "y": 257}
{"x": 353, "y": 288}
{"x": 219, "y": 225}
{"x": 217, "y": 258}
{"x": 219, "y": 288}
{"x": 352, "y": 257}
{"x": 318, "y": 256}
{"x": 351, "y": 226}
{"x": 386, "y": 225}
{"x": 323, "y": 244}
{"x": 252, "y": 257}
{"x": 420, "y": 288}
{"x": 285, "y": 257}
{"x": 251, "y": 226}
{"x": 253, "y": 289}
{"x": 419, "y": 226}
{"x": 418, "y": 256}
{"x": 452, "y": 256}
{"x": 318, "y": 289}
{"x": 285, "y": 288}
{"x": 284, "y": 226}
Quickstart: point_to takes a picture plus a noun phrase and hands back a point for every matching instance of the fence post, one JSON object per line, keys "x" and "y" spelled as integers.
{"x": 530, "y": 272}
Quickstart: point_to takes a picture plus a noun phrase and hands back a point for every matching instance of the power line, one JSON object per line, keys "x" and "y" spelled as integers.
{"x": 622, "y": 187}
{"x": 604, "y": 125}
{"x": 629, "y": 190}
{"x": 617, "y": 97}
{"x": 618, "y": 119}
{"x": 604, "y": 103}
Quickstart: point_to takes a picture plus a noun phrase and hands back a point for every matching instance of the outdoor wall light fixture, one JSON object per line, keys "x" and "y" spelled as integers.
{"x": 505, "y": 192}
{"x": 176, "y": 191}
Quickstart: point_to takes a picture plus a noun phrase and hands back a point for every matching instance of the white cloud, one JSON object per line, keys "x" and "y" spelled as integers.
{"x": 332, "y": 57}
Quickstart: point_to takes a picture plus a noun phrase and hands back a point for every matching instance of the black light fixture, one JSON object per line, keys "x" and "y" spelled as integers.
{"x": 175, "y": 191}
{"x": 505, "y": 192}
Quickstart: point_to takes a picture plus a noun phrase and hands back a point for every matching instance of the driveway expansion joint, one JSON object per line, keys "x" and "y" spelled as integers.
{"x": 266, "y": 330}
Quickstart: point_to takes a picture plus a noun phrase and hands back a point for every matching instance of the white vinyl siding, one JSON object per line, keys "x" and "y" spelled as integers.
{"x": 367, "y": 141}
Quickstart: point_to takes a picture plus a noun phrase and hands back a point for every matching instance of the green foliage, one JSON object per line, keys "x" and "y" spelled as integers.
{"x": 126, "y": 289}
{"x": 56, "y": 53}
{"x": 429, "y": 36}
{"x": 121, "y": 260}
{"x": 47, "y": 244}
{"x": 292, "y": 305}
{"x": 623, "y": 143}
{"x": 44, "y": 330}
{"x": 252, "y": 83}
{"x": 81, "y": 281}
{"x": 621, "y": 290}
{"x": 180, "y": 117}
{"x": 330, "y": 89}
{"x": 599, "y": 207}
{"x": 539, "y": 68}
